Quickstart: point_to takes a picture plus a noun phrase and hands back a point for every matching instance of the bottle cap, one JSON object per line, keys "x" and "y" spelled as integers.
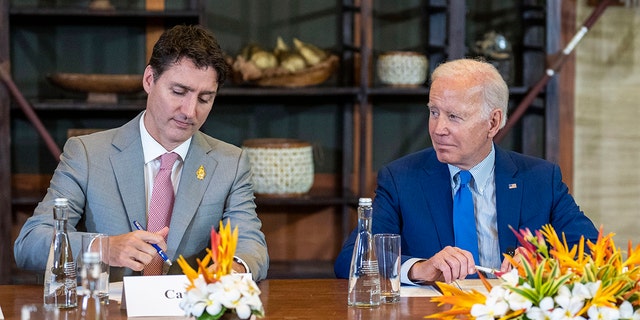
{"x": 364, "y": 201}
{"x": 60, "y": 202}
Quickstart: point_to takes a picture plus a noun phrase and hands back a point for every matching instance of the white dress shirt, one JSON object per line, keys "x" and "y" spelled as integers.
{"x": 152, "y": 151}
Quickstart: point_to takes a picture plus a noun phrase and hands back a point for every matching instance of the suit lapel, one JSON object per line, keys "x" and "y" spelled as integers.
{"x": 508, "y": 198}
{"x": 128, "y": 167}
{"x": 436, "y": 184}
{"x": 191, "y": 189}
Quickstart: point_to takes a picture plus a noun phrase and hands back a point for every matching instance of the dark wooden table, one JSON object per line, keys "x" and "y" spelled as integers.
{"x": 282, "y": 299}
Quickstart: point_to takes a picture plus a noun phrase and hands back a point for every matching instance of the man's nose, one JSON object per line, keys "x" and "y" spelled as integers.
{"x": 189, "y": 106}
{"x": 439, "y": 126}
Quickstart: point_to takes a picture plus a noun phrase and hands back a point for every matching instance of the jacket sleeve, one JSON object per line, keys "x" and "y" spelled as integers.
{"x": 31, "y": 248}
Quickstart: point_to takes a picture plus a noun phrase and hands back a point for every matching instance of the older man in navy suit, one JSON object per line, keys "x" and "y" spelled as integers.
{"x": 414, "y": 197}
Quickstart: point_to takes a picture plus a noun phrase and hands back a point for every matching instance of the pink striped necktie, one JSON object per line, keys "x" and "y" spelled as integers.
{"x": 161, "y": 206}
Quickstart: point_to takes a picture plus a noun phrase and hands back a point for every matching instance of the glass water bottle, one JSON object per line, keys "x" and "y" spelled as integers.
{"x": 364, "y": 277}
{"x": 60, "y": 281}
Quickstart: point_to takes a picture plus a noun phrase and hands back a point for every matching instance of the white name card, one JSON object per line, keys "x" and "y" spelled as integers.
{"x": 154, "y": 296}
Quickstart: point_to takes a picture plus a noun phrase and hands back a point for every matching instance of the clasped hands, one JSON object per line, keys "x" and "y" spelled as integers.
{"x": 448, "y": 265}
{"x": 133, "y": 250}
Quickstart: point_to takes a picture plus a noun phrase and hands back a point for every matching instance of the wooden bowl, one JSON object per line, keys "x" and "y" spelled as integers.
{"x": 98, "y": 83}
{"x": 246, "y": 73}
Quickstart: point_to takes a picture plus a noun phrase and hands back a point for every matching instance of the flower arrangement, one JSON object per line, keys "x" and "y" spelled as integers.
{"x": 213, "y": 290}
{"x": 554, "y": 281}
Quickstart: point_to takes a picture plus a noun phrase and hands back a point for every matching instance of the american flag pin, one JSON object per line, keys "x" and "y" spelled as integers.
{"x": 512, "y": 186}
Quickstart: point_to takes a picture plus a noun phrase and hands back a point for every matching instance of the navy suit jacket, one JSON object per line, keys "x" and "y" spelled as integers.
{"x": 414, "y": 199}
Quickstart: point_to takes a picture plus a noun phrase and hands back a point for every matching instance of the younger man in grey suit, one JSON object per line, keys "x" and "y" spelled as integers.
{"x": 108, "y": 176}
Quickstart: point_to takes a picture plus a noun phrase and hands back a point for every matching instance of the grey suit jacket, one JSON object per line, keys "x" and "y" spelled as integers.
{"x": 102, "y": 175}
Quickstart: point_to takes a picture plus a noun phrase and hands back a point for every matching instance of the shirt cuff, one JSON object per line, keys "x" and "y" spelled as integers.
{"x": 244, "y": 264}
{"x": 404, "y": 271}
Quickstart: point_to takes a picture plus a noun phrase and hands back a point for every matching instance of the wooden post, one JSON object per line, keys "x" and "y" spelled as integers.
{"x": 155, "y": 27}
{"x": 6, "y": 221}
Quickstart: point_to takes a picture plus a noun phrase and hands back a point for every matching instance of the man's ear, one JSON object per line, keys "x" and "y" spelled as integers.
{"x": 495, "y": 119}
{"x": 147, "y": 78}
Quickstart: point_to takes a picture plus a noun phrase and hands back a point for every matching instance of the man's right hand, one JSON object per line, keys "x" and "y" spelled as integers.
{"x": 133, "y": 250}
{"x": 448, "y": 265}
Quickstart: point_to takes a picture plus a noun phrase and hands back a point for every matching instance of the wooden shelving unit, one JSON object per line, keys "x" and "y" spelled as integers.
{"x": 355, "y": 93}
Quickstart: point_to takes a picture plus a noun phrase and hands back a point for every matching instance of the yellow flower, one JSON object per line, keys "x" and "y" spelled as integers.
{"x": 223, "y": 248}
{"x": 461, "y": 301}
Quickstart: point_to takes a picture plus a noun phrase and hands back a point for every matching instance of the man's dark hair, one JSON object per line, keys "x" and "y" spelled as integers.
{"x": 193, "y": 42}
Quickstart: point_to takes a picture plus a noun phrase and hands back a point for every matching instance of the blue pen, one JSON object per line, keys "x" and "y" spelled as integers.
{"x": 160, "y": 252}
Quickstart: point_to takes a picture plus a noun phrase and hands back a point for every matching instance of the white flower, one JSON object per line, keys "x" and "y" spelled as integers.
{"x": 585, "y": 291}
{"x": 233, "y": 292}
{"x": 568, "y": 305}
{"x": 626, "y": 311}
{"x": 493, "y": 307}
{"x": 518, "y": 302}
{"x": 543, "y": 311}
{"x": 199, "y": 299}
{"x": 511, "y": 278}
{"x": 603, "y": 313}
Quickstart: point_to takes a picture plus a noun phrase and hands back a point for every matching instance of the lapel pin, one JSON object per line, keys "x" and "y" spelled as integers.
{"x": 200, "y": 173}
{"x": 512, "y": 186}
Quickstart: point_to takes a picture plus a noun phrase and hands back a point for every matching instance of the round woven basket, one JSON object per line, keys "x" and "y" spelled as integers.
{"x": 281, "y": 167}
{"x": 402, "y": 68}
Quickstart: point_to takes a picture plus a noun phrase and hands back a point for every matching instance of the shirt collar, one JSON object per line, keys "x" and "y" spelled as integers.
{"x": 480, "y": 172}
{"x": 152, "y": 149}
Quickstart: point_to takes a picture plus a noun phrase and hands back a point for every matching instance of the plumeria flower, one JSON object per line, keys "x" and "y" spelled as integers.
{"x": 494, "y": 307}
{"x": 518, "y": 302}
{"x": 626, "y": 311}
{"x": 603, "y": 313}
{"x": 543, "y": 311}
{"x": 199, "y": 299}
{"x": 511, "y": 278}
{"x": 568, "y": 305}
{"x": 585, "y": 291}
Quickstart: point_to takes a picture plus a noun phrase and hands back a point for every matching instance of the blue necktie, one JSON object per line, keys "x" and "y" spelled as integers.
{"x": 464, "y": 220}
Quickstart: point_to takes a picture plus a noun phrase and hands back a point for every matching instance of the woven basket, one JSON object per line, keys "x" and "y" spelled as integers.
{"x": 244, "y": 72}
{"x": 281, "y": 167}
{"x": 402, "y": 68}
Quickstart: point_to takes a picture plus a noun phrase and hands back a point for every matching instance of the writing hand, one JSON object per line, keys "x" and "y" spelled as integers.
{"x": 133, "y": 250}
{"x": 448, "y": 265}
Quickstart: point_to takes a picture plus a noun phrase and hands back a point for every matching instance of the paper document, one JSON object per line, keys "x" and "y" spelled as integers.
{"x": 476, "y": 284}
{"x": 432, "y": 291}
{"x": 1, "y": 315}
{"x": 418, "y": 291}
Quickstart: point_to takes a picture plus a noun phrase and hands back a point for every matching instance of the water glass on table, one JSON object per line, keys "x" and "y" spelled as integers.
{"x": 39, "y": 312}
{"x": 388, "y": 254}
{"x": 99, "y": 244}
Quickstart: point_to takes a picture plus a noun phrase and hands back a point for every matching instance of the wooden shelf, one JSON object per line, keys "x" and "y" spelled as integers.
{"x": 83, "y": 12}
{"x": 69, "y": 104}
{"x": 280, "y": 92}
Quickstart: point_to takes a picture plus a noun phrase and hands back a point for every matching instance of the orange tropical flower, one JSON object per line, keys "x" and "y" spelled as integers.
{"x": 223, "y": 247}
